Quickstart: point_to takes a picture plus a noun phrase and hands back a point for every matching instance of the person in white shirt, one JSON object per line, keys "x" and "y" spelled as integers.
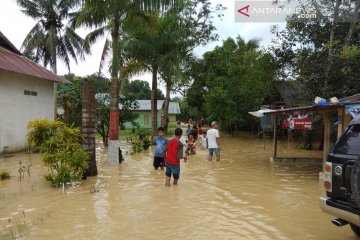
{"x": 203, "y": 141}
{"x": 212, "y": 141}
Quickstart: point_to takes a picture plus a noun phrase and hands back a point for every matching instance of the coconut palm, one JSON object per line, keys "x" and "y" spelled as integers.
{"x": 153, "y": 46}
{"x": 50, "y": 39}
{"x": 108, "y": 17}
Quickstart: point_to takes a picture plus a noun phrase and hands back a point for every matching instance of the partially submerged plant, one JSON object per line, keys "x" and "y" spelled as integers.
{"x": 4, "y": 174}
{"x": 61, "y": 151}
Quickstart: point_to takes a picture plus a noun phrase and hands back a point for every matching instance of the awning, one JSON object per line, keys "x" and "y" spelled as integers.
{"x": 261, "y": 112}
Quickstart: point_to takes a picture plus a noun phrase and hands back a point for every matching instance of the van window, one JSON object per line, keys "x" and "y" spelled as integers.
{"x": 350, "y": 142}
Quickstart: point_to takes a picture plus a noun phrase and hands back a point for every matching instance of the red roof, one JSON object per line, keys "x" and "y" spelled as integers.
{"x": 17, "y": 63}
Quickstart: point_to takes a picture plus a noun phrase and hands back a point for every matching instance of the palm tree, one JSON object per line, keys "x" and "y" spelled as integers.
{"x": 50, "y": 39}
{"x": 108, "y": 17}
{"x": 153, "y": 46}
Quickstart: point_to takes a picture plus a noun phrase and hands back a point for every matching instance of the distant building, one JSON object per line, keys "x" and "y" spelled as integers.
{"x": 144, "y": 112}
{"x": 26, "y": 93}
{"x": 290, "y": 93}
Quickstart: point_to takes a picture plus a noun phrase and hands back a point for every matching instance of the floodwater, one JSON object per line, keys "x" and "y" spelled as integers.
{"x": 242, "y": 197}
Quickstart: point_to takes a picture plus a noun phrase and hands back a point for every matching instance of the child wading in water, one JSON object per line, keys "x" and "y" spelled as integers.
{"x": 173, "y": 153}
{"x": 160, "y": 144}
{"x": 190, "y": 145}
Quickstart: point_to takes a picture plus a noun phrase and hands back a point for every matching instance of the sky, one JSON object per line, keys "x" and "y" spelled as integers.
{"x": 15, "y": 26}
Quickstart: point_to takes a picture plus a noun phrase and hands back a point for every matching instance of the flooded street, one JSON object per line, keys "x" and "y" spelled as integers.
{"x": 242, "y": 197}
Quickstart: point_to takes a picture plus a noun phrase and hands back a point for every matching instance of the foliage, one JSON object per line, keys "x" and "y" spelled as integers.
{"x": 61, "y": 151}
{"x": 41, "y": 130}
{"x": 230, "y": 81}
{"x": 4, "y": 174}
{"x": 167, "y": 42}
{"x": 141, "y": 140}
{"x": 304, "y": 52}
{"x": 103, "y": 114}
{"x": 50, "y": 39}
{"x": 140, "y": 90}
{"x": 70, "y": 97}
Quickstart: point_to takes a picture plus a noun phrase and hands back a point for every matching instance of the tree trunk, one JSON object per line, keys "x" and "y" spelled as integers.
{"x": 331, "y": 41}
{"x": 154, "y": 100}
{"x": 166, "y": 107}
{"x": 89, "y": 125}
{"x": 353, "y": 23}
{"x": 54, "y": 68}
{"x": 114, "y": 91}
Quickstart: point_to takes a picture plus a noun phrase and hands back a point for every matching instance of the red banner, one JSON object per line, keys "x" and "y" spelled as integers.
{"x": 297, "y": 123}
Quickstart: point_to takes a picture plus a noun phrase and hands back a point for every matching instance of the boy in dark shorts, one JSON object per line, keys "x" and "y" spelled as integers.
{"x": 173, "y": 153}
{"x": 160, "y": 144}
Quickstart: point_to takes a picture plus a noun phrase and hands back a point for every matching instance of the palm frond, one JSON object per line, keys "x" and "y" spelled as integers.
{"x": 30, "y": 8}
{"x": 93, "y": 36}
{"x": 104, "y": 54}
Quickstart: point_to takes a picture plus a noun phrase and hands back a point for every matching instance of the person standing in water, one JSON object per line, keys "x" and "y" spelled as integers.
{"x": 160, "y": 143}
{"x": 212, "y": 141}
{"x": 173, "y": 154}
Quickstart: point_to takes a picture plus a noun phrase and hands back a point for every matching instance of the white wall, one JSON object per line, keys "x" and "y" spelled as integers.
{"x": 16, "y": 109}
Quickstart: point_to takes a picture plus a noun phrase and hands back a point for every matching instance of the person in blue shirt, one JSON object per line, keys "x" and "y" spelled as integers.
{"x": 160, "y": 142}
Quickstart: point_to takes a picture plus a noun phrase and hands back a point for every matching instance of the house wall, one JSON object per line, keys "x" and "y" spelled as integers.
{"x": 141, "y": 119}
{"x": 16, "y": 108}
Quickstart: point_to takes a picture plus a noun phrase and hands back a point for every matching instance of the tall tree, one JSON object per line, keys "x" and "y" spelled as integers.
{"x": 50, "y": 38}
{"x": 236, "y": 72}
{"x": 109, "y": 16}
{"x": 302, "y": 50}
{"x": 174, "y": 34}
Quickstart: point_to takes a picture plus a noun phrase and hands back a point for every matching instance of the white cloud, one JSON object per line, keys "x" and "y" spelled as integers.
{"x": 15, "y": 25}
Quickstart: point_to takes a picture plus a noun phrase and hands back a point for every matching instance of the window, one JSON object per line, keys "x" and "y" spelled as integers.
{"x": 146, "y": 119}
{"x": 349, "y": 144}
{"x": 30, "y": 93}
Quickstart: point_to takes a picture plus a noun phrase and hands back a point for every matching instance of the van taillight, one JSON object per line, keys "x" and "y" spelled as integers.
{"x": 328, "y": 176}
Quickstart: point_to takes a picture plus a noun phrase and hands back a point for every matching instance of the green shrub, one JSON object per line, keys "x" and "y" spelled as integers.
{"x": 61, "y": 151}
{"x": 39, "y": 131}
{"x": 142, "y": 140}
{"x": 4, "y": 174}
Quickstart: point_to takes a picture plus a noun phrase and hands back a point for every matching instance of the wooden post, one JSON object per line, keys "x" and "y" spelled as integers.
{"x": 274, "y": 116}
{"x": 326, "y": 118}
{"x": 341, "y": 121}
{"x": 89, "y": 125}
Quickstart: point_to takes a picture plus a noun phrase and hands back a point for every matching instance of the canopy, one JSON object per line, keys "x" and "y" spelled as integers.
{"x": 261, "y": 112}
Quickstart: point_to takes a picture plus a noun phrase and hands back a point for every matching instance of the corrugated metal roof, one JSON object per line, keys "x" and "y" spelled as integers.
{"x": 315, "y": 108}
{"x": 16, "y": 63}
{"x": 174, "y": 108}
{"x": 5, "y": 43}
{"x": 145, "y": 105}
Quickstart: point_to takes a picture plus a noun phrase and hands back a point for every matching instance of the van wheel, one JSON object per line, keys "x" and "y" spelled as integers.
{"x": 355, "y": 182}
{"x": 355, "y": 229}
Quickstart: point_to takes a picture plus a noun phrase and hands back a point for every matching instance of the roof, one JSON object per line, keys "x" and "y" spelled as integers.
{"x": 351, "y": 99}
{"x": 12, "y": 60}
{"x": 290, "y": 93}
{"x": 145, "y": 105}
{"x": 5, "y": 43}
{"x": 314, "y": 108}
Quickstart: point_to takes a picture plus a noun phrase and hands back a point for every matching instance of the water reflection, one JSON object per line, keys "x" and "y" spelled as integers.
{"x": 242, "y": 197}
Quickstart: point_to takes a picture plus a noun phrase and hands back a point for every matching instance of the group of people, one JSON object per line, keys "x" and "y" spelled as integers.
{"x": 168, "y": 153}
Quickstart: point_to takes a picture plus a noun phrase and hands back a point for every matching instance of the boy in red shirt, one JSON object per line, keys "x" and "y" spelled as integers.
{"x": 172, "y": 154}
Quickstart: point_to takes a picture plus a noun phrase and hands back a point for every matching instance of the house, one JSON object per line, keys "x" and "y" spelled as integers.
{"x": 290, "y": 93}
{"x": 144, "y": 112}
{"x": 26, "y": 93}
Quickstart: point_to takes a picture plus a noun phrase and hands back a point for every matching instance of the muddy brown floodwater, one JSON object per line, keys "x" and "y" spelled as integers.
{"x": 242, "y": 197}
